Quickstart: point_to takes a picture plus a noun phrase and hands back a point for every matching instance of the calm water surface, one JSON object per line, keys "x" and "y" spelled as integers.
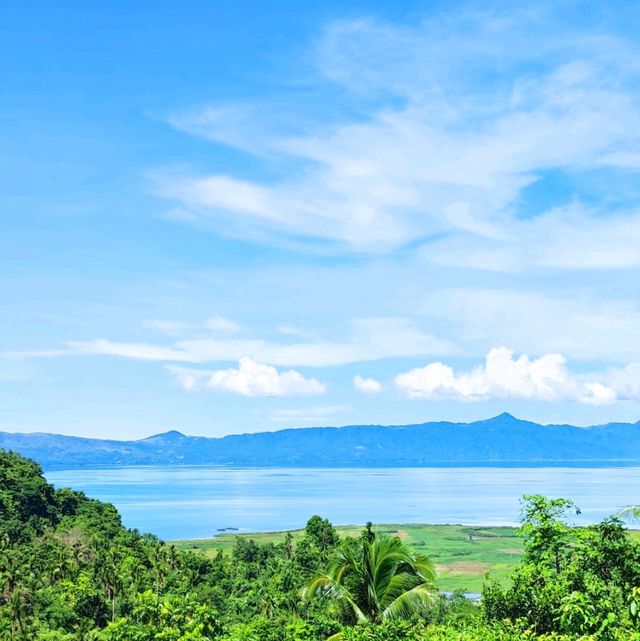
{"x": 177, "y": 502}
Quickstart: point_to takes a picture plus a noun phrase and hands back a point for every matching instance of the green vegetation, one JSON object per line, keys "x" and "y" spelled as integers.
{"x": 630, "y": 512}
{"x": 377, "y": 579}
{"x": 69, "y": 571}
{"x": 462, "y": 555}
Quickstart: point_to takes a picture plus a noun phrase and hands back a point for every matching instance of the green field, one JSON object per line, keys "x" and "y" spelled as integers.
{"x": 463, "y": 555}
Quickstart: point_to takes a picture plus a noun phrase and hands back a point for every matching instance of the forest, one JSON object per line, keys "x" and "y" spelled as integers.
{"x": 70, "y": 571}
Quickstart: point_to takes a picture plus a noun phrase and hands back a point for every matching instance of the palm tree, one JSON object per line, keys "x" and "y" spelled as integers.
{"x": 630, "y": 512}
{"x": 377, "y": 579}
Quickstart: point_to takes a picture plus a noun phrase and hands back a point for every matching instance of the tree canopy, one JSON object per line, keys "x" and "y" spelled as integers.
{"x": 70, "y": 571}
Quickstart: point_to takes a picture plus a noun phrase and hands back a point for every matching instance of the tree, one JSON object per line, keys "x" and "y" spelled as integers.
{"x": 378, "y": 579}
{"x": 321, "y": 533}
{"x": 571, "y": 580}
{"x": 546, "y": 535}
{"x": 172, "y": 617}
{"x": 630, "y": 512}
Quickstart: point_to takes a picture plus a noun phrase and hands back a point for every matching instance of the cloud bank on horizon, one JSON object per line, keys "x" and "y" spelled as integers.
{"x": 429, "y": 215}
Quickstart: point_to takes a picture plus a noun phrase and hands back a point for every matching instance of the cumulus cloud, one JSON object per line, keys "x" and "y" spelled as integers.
{"x": 626, "y": 381}
{"x": 503, "y": 376}
{"x": 367, "y": 385}
{"x": 251, "y": 379}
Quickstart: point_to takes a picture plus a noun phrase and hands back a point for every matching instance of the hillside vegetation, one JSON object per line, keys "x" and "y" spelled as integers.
{"x": 462, "y": 554}
{"x": 69, "y": 571}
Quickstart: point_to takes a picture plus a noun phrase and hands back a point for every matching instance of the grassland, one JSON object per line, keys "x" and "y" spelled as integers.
{"x": 463, "y": 555}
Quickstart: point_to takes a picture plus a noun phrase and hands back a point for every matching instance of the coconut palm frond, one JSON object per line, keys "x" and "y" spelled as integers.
{"x": 386, "y": 568}
{"x": 425, "y": 568}
{"x": 630, "y": 513}
{"x": 325, "y": 585}
{"x": 401, "y": 583}
{"x": 379, "y": 578}
{"x": 410, "y": 602}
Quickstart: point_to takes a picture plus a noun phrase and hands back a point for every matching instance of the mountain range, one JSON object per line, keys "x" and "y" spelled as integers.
{"x": 498, "y": 440}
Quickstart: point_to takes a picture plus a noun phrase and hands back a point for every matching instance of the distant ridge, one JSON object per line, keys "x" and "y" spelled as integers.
{"x": 170, "y": 436}
{"x": 498, "y": 440}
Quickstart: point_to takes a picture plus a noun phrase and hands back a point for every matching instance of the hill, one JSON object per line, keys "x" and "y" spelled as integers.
{"x": 501, "y": 439}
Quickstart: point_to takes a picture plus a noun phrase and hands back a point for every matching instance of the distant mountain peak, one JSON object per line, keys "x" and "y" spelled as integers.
{"x": 171, "y": 435}
{"x": 505, "y": 417}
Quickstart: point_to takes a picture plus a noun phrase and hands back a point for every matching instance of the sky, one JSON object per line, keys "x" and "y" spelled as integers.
{"x": 234, "y": 217}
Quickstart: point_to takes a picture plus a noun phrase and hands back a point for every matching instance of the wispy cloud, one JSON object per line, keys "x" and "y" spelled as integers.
{"x": 459, "y": 115}
{"x": 568, "y": 237}
{"x": 135, "y": 351}
{"x": 503, "y": 376}
{"x": 369, "y": 339}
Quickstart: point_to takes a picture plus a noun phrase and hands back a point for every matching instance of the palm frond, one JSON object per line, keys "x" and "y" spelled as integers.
{"x": 401, "y": 583}
{"x": 316, "y": 586}
{"x": 630, "y": 512}
{"x": 325, "y": 585}
{"x": 385, "y": 569}
{"x": 384, "y": 578}
{"x": 410, "y": 602}
{"x": 425, "y": 568}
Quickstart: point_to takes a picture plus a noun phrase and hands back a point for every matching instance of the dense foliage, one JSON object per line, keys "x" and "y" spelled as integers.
{"x": 377, "y": 579}
{"x": 581, "y": 581}
{"x": 69, "y": 571}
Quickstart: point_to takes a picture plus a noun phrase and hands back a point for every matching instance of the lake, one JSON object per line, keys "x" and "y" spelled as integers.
{"x": 187, "y": 502}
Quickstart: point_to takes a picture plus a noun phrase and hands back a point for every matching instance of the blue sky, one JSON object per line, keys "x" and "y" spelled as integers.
{"x": 226, "y": 219}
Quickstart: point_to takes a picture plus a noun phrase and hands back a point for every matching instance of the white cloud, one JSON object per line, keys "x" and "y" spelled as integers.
{"x": 501, "y": 377}
{"x": 251, "y": 379}
{"x": 367, "y": 385}
{"x": 436, "y": 150}
{"x": 569, "y": 237}
{"x": 626, "y": 381}
{"x": 189, "y": 379}
{"x": 369, "y": 339}
{"x": 135, "y": 351}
